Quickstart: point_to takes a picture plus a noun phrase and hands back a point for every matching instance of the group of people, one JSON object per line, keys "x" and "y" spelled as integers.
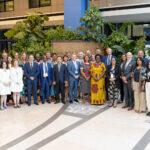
{"x": 56, "y": 78}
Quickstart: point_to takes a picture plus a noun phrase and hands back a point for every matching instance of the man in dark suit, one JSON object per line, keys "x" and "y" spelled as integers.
{"x": 59, "y": 80}
{"x": 107, "y": 59}
{"x": 45, "y": 79}
{"x": 141, "y": 54}
{"x": 127, "y": 70}
{"x": 123, "y": 60}
{"x": 74, "y": 74}
{"x": 31, "y": 70}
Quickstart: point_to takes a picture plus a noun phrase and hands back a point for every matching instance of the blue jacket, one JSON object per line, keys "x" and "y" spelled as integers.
{"x": 34, "y": 72}
{"x": 50, "y": 72}
{"x": 60, "y": 76}
{"x": 104, "y": 60}
{"x": 72, "y": 69}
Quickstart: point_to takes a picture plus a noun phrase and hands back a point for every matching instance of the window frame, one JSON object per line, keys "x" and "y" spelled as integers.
{"x": 4, "y": 2}
{"x": 39, "y": 4}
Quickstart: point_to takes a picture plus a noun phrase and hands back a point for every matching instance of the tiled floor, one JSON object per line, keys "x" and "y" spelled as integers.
{"x": 73, "y": 127}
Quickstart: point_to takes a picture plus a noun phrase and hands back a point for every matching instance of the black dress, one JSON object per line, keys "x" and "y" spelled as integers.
{"x": 113, "y": 87}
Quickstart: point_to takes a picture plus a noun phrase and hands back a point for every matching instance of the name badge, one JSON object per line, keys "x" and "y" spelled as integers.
{"x": 46, "y": 75}
{"x": 112, "y": 75}
{"x": 76, "y": 72}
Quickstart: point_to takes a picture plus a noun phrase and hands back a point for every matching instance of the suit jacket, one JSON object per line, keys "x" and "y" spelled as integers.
{"x": 50, "y": 77}
{"x": 34, "y": 72}
{"x": 72, "y": 69}
{"x": 145, "y": 61}
{"x": 117, "y": 75}
{"x": 127, "y": 71}
{"x": 104, "y": 60}
{"x": 60, "y": 75}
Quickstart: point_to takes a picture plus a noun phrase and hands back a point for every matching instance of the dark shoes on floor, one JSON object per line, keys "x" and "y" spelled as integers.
{"x": 70, "y": 101}
{"x": 148, "y": 114}
{"x": 36, "y": 103}
{"x": 56, "y": 102}
{"x": 76, "y": 100}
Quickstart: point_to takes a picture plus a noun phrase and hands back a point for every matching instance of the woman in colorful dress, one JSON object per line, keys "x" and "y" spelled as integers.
{"x": 98, "y": 94}
{"x": 85, "y": 79}
{"x": 23, "y": 94}
{"x": 148, "y": 89}
{"x": 139, "y": 79}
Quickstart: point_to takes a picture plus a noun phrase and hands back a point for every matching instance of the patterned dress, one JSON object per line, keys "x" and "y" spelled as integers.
{"x": 24, "y": 91}
{"x": 113, "y": 90}
{"x": 85, "y": 85}
{"x": 98, "y": 93}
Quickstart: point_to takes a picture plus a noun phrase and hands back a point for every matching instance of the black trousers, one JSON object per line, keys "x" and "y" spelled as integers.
{"x": 60, "y": 89}
{"x": 129, "y": 95}
{"x": 121, "y": 90}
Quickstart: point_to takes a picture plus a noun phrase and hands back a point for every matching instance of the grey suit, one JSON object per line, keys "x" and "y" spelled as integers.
{"x": 128, "y": 92}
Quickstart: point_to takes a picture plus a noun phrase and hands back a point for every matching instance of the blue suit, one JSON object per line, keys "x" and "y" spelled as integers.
{"x": 73, "y": 83}
{"x": 60, "y": 77}
{"x": 106, "y": 62}
{"x": 45, "y": 80}
{"x": 31, "y": 72}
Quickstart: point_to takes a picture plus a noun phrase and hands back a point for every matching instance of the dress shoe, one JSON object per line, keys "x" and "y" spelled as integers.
{"x": 63, "y": 102}
{"x": 18, "y": 106}
{"x": 125, "y": 106}
{"x": 148, "y": 114}
{"x": 70, "y": 101}
{"x": 130, "y": 108}
{"x": 43, "y": 102}
{"x": 15, "y": 106}
{"x": 21, "y": 102}
{"x": 48, "y": 101}
{"x": 36, "y": 103}
{"x": 56, "y": 102}
{"x": 119, "y": 102}
{"x": 29, "y": 104}
{"x": 76, "y": 100}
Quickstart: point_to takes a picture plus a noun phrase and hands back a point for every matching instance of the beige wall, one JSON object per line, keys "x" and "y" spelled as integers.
{"x": 111, "y": 3}
{"x": 22, "y": 6}
{"x": 62, "y": 47}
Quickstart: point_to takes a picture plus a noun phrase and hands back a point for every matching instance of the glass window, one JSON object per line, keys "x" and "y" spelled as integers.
{"x": 2, "y": 7}
{"x": 33, "y": 3}
{"x": 9, "y": 6}
{"x": 45, "y": 2}
{"x": 39, "y": 3}
{"x": 6, "y": 5}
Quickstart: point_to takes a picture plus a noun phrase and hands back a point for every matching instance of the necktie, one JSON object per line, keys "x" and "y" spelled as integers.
{"x": 46, "y": 68}
{"x": 59, "y": 67}
{"x": 31, "y": 66}
{"x": 108, "y": 60}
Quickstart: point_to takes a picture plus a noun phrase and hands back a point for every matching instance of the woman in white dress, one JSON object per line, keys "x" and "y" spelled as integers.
{"x": 16, "y": 86}
{"x": 4, "y": 84}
